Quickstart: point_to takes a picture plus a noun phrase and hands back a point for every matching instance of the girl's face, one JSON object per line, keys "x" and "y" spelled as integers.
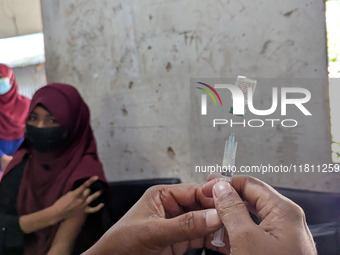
{"x": 41, "y": 118}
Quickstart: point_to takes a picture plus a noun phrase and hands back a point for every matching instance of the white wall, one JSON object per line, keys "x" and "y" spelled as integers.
{"x": 19, "y": 17}
{"x": 133, "y": 60}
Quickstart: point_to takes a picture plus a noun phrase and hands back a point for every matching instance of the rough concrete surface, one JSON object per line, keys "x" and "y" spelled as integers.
{"x": 133, "y": 61}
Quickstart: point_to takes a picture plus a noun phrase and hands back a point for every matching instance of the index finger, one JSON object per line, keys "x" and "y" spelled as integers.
{"x": 190, "y": 197}
{"x": 85, "y": 185}
{"x": 207, "y": 187}
{"x": 179, "y": 198}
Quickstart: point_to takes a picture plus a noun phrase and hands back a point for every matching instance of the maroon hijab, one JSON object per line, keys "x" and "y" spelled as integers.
{"x": 13, "y": 109}
{"x": 47, "y": 176}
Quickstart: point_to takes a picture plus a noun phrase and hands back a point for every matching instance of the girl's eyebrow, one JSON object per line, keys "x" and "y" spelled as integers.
{"x": 48, "y": 115}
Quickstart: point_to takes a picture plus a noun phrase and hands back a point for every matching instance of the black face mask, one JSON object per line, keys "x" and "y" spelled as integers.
{"x": 46, "y": 139}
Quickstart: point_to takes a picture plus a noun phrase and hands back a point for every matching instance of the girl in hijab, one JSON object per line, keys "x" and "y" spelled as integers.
{"x": 13, "y": 113}
{"x": 58, "y": 155}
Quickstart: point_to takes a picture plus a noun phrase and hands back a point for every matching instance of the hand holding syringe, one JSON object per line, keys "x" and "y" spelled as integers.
{"x": 227, "y": 163}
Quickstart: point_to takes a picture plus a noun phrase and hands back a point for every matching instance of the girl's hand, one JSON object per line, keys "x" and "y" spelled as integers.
{"x": 78, "y": 200}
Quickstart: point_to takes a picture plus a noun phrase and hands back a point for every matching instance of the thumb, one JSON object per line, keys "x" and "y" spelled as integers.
{"x": 230, "y": 207}
{"x": 189, "y": 226}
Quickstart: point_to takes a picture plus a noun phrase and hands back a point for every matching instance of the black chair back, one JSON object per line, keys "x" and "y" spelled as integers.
{"x": 322, "y": 211}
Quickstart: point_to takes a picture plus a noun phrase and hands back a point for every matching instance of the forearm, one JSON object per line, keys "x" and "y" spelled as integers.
{"x": 1, "y": 154}
{"x": 39, "y": 220}
{"x": 2, "y": 158}
{"x": 61, "y": 248}
{"x": 4, "y": 161}
{"x": 66, "y": 235}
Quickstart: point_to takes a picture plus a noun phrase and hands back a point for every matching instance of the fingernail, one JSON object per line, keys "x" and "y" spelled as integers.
{"x": 209, "y": 183}
{"x": 212, "y": 219}
{"x": 221, "y": 188}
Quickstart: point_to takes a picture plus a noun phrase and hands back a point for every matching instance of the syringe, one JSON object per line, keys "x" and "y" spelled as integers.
{"x": 227, "y": 165}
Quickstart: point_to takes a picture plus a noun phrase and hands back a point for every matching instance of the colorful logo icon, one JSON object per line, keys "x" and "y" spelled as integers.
{"x": 204, "y": 97}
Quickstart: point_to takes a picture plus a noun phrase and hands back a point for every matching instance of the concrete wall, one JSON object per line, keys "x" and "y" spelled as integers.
{"x": 133, "y": 60}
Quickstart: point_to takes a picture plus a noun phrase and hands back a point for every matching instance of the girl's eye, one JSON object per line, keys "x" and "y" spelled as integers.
{"x": 32, "y": 118}
{"x": 53, "y": 121}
